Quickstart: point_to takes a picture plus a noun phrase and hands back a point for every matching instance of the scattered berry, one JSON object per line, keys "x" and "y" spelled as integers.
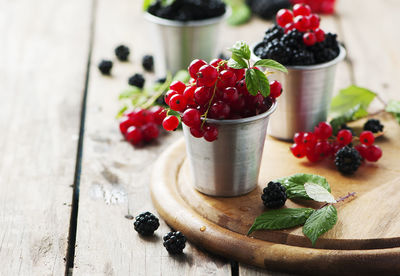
{"x": 274, "y": 195}
{"x": 122, "y": 52}
{"x": 148, "y": 63}
{"x": 347, "y": 160}
{"x": 174, "y": 242}
{"x": 323, "y": 130}
{"x": 134, "y": 135}
{"x": 146, "y": 223}
{"x": 298, "y": 150}
{"x": 373, "y": 153}
{"x": 344, "y": 137}
{"x": 105, "y": 66}
{"x": 373, "y": 125}
{"x": 137, "y": 80}
{"x": 367, "y": 138}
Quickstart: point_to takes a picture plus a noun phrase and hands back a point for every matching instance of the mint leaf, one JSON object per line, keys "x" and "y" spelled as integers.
{"x": 129, "y": 93}
{"x": 271, "y": 64}
{"x": 352, "y": 114}
{"x": 320, "y": 222}
{"x": 281, "y": 219}
{"x": 318, "y": 193}
{"x": 263, "y": 83}
{"x": 237, "y": 62}
{"x": 241, "y": 49}
{"x": 394, "y": 108}
{"x": 146, "y": 4}
{"x": 252, "y": 82}
{"x": 349, "y": 98}
{"x": 241, "y": 13}
{"x": 294, "y": 184}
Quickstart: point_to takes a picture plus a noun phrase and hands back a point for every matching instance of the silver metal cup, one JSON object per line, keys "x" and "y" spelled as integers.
{"x": 307, "y": 93}
{"x": 178, "y": 43}
{"x": 228, "y": 166}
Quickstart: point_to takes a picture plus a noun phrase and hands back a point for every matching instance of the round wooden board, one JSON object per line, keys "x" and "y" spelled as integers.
{"x": 365, "y": 240}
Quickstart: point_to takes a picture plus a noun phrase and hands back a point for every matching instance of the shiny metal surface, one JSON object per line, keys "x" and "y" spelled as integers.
{"x": 230, "y": 165}
{"x": 176, "y": 43}
{"x": 307, "y": 93}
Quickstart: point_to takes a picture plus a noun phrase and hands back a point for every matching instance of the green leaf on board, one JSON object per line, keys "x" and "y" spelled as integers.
{"x": 318, "y": 193}
{"x": 349, "y": 98}
{"x": 394, "y": 108}
{"x": 352, "y": 114}
{"x": 271, "y": 64}
{"x": 281, "y": 219}
{"x": 320, "y": 221}
{"x": 294, "y": 184}
{"x": 263, "y": 83}
{"x": 241, "y": 13}
{"x": 241, "y": 49}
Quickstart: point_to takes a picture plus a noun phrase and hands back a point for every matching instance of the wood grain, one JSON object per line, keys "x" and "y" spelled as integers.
{"x": 115, "y": 175}
{"x": 43, "y": 56}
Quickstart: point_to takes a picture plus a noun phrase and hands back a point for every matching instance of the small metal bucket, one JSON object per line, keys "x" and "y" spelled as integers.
{"x": 306, "y": 97}
{"x": 228, "y": 166}
{"x": 178, "y": 43}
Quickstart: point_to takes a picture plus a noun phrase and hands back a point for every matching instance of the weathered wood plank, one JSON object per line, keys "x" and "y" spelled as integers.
{"x": 115, "y": 176}
{"x": 43, "y": 55}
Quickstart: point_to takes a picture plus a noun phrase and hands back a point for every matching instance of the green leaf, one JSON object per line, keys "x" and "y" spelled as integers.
{"x": 146, "y": 4}
{"x": 241, "y": 49}
{"x": 320, "y": 222}
{"x": 252, "y": 82}
{"x": 271, "y": 64}
{"x": 122, "y": 111}
{"x": 241, "y": 13}
{"x": 394, "y": 108}
{"x": 237, "y": 62}
{"x": 294, "y": 184}
{"x": 281, "y": 219}
{"x": 352, "y": 114}
{"x": 318, "y": 193}
{"x": 182, "y": 76}
{"x": 349, "y": 98}
{"x": 129, "y": 93}
{"x": 263, "y": 83}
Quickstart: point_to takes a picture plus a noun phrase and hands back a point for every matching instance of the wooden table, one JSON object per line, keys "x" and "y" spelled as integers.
{"x": 68, "y": 182}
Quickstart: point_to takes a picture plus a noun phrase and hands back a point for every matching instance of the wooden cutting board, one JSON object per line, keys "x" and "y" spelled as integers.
{"x": 365, "y": 240}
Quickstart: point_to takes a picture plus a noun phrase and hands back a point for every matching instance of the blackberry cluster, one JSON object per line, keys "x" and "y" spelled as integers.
{"x": 174, "y": 242}
{"x": 137, "y": 80}
{"x": 267, "y": 9}
{"x": 274, "y": 195}
{"x": 347, "y": 160}
{"x": 105, "y": 67}
{"x": 289, "y": 48}
{"x": 122, "y": 52}
{"x": 148, "y": 63}
{"x": 186, "y": 10}
{"x": 146, "y": 223}
{"x": 373, "y": 125}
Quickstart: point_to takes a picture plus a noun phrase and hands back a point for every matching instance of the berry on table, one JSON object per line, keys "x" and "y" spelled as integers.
{"x": 312, "y": 155}
{"x": 298, "y": 150}
{"x": 344, "y": 137}
{"x": 323, "y": 149}
{"x": 373, "y": 153}
{"x": 362, "y": 149}
{"x": 124, "y": 124}
{"x": 105, "y": 66}
{"x": 274, "y": 195}
{"x": 195, "y": 66}
{"x": 159, "y": 114}
{"x": 174, "y": 242}
{"x": 367, "y": 138}
{"x": 146, "y": 223}
{"x": 283, "y": 17}
{"x": 134, "y": 135}
{"x": 301, "y": 9}
{"x": 347, "y": 160}
{"x": 170, "y": 123}
{"x": 150, "y": 131}
{"x": 323, "y": 130}
{"x": 373, "y": 125}
{"x": 309, "y": 139}
{"x": 148, "y": 63}
{"x": 275, "y": 89}
{"x": 122, "y": 52}
{"x": 137, "y": 80}
{"x": 298, "y": 137}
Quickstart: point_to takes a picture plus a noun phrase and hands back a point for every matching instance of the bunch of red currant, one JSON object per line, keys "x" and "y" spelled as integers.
{"x": 303, "y": 20}
{"x": 320, "y": 143}
{"x": 216, "y": 91}
{"x": 320, "y": 6}
{"x": 142, "y": 125}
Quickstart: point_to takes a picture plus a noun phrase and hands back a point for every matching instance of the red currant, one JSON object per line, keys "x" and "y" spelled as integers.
{"x": 344, "y": 137}
{"x": 312, "y": 156}
{"x": 189, "y": 95}
{"x": 362, "y": 149}
{"x": 159, "y": 114}
{"x": 323, "y": 130}
{"x": 238, "y": 105}
{"x": 217, "y": 64}
{"x": 202, "y": 95}
{"x": 367, "y": 138}
{"x": 137, "y": 116}
{"x": 283, "y": 17}
{"x": 373, "y": 153}
{"x": 314, "y": 21}
{"x": 125, "y": 124}
{"x": 320, "y": 35}
{"x": 178, "y": 103}
{"x": 170, "y": 123}
{"x": 148, "y": 116}
{"x": 298, "y": 137}
{"x": 323, "y": 149}
{"x": 239, "y": 73}
{"x": 227, "y": 78}
{"x": 191, "y": 117}
{"x": 255, "y": 102}
{"x": 169, "y": 95}
{"x": 210, "y": 133}
{"x": 195, "y": 66}
{"x": 301, "y": 23}
{"x": 178, "y": 86}
{"x": 207, "y": 76}
{"x": 309, "y": 139}
{"x": 301, "y": 9}
{"x": 150, "y": 131}
{"x": 309, "y": 38}
{"x": 275, "y": 89}
{"x": 289, "y": 27}
{"x": 230, "y": 95}
{"x": 197, "y": 132}
{"x": 298, "y": 150}
{"x": 134, "y": 135}
{"x": 328, "y": 6}
{"x": 220, "y": 110}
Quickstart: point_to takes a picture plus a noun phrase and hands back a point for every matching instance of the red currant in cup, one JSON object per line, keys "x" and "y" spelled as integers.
{"x": 283, "y": 17}
{"x": 191, "y": 117}
{"x": 195, "y": 66}
{"x": 189, "y": 95}
{"x": 227, "y": 78}
{"x": 159, "y": 114}
{"x": 197, "y": 132}
{"x": 320, "y": 35}
{"x": 220, "y": 110}
{"x": 202, "y": 95}
{"x": 207, "y": 76}
{"x": 301, "y": 23}
{"x": 169, "y": 95}
{"x": 275, "y": 89}
{"x": 367, "y": 138}
{"x": 230, "y": 95}
{"x": 210, "y": 133}
{"x": 309, "y": 38}
{"x": 301, "y": 9}
{"x": 178, "y": 86}
{"x": 314, "y": 21}
{"x": 344, "y": 137}
{"x": 178, "y": 103}
{"x": 170, "y": 123}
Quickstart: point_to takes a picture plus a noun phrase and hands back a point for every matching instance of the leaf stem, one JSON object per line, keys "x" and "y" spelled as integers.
{"x": 340, "y": 199}
{"x": 159, "y": 92}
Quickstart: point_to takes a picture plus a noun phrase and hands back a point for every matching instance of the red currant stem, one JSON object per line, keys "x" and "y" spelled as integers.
{"x": 158, "y": 93}
{"x": 209, "y": 105}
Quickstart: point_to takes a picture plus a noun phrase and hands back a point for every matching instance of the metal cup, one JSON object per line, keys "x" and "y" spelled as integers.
{"x": 228, "y": 166}
{"x": 307, "y": 93}
{"x": 178, "y": 43}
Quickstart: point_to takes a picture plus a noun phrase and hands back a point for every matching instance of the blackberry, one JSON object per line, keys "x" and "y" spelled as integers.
{"x": 148, "y": 63}
{"x": 347, "y": 160}
{"x": 146, "y": 223}
{"x": 122, "y": 52}
{"x": 174, "y": 242}
{"x": 105, "y": 66}
{"x": 274, "y": 195}
{"x": 161, "y": 80}
{"x": 293, "y": 39}
{"x": 276, "y": 32}
{"x": 137, "y": 80}
{"x": 267, "y": 9}
{"x": 302, "y": 57}
{"x": 223, "y": 56}
{"x": 373, "y": 125}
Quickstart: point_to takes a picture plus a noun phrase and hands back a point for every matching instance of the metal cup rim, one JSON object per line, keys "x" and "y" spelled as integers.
{"x": 244, "y": 120}
{"x": 193, "y": 23}
{"x": 340, "y": 57}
